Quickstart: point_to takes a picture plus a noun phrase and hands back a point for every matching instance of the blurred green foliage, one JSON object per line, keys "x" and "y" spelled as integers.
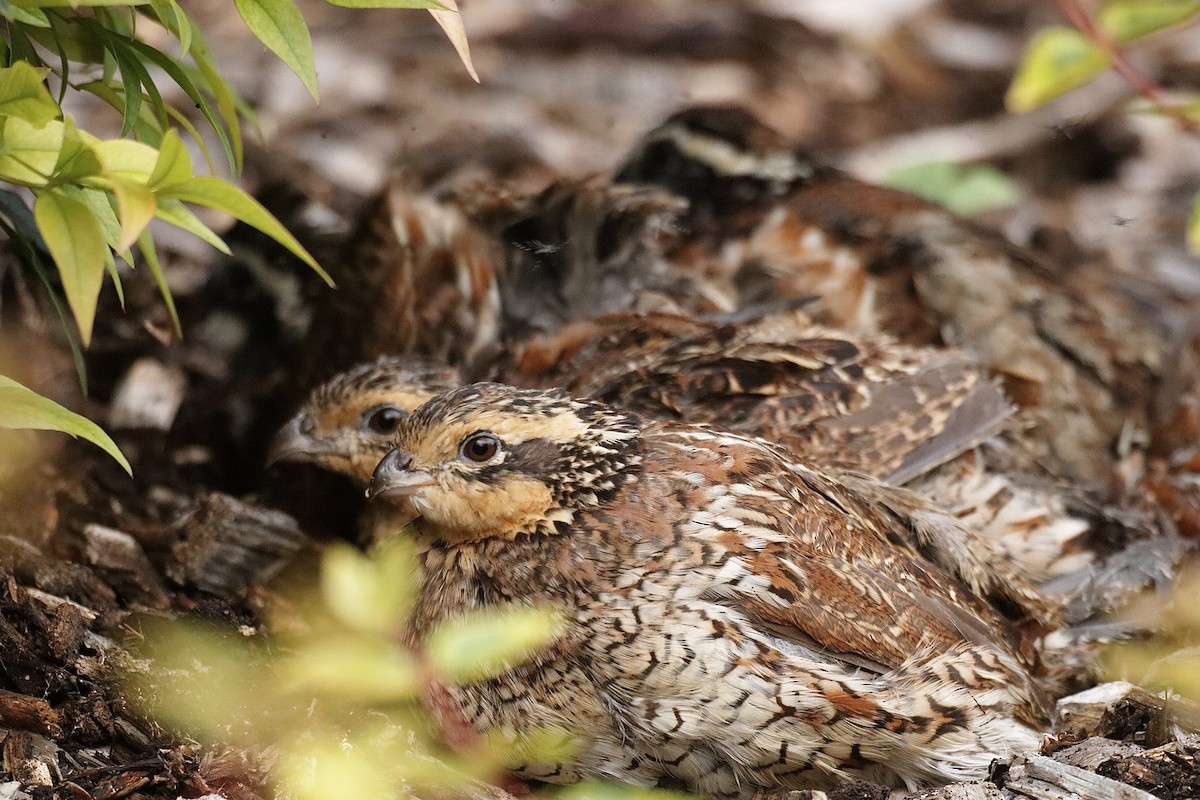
{"x": 335, "y": 693}
{"x": 1059, "y": 59}
{"x": 76, "y": 205}
{"x": 964, "y": 189}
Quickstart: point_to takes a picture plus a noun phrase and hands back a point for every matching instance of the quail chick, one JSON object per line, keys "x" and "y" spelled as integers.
{"x": 732, "y": 620}
{"x": 345, "y": 423}
{"x": 767, "y": 221}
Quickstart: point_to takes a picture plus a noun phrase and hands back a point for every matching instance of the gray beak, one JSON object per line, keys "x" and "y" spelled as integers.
{"x": 294, "y": 442}
{"x": 395, "y": 477}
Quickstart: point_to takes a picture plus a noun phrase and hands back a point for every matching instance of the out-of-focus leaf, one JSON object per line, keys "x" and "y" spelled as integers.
{"x": 388, "y": 3}
{"x": 224, "y": 196}
{"x": 21, "y": 407}
{"x": 1056, "y": 61}
{"x": 23, "y": 94}
{"x": 76, "y": 241}
{"x": 965, "y": 190}
{"x": 480, "y": 644}
{"x": 368, "y": 595}
{"x": 329, "y": 767}
{"x": 1126, "y": 20}
{"x": 594, "y": 790}
{"x": 362, "y": 670}
{"x": 1193, "y": 226}
{"x": 28, "y": 16}
{"x": 173, "y": 166}
{"x": 174, "y": 19}
{"x": 279, "y": 25}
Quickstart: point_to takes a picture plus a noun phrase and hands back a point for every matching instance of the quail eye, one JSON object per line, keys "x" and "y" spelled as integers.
{"x": 480, "y": 447}
{"x": 384, "y": 419}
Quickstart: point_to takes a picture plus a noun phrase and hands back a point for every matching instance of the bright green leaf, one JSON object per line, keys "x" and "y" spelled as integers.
{"x": 24, "y": 408}
{"x": 965, "y": 190}
{"x": 279, "y": 25}
{"x": 23, "y": 94}
{"x": 173, "y": 167}
{"x": 177, "y": 214}
{"x": 125, "y": 159}
{"x": 76, "y": 159}
{"x": 482, "y": 643}
{"x": 1126, "y": 20}
{"x": 28, "y": 153}
{"x": 135, "y": 208}
{"x": 76, "y": 241}
{"x": 224, "y": 196}
{"x": 1056, "y": 61}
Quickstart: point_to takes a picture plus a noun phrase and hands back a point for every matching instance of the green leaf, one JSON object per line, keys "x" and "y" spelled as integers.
{"x": 1193, "y": 226}
{"x": 177, "y": 214}
{"x": 1056, "y": 61}
{"x": 451, "y": 23}
{"x": 24, "y": 408}
{"x": 227, "y": 100}
{"x": 23, "y": 94}
{"x": 28, "y": 16}
{"x": 364, "y": 596}
{"x": 135, "y": 208}
{"x": 482, "y": 643}
{"x": 279, "y": 25}
{"x": 76, "y": 241}
{"x": 150, "y": 256}
{"x": 76, "y": 159}
{"x": 173, "y": 167}
{"x": 168, "y": 14}
{"x": 28, "y": 153}
{"x": 361, "y": 669}
{"x": 1126, "y": 20}
{"x": 965, "y": 190}
{"x": 224, "y": 196}
{"x": 179, "y": 75}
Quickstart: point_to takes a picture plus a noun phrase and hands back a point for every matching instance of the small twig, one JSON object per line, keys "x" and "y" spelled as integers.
{"x": 1142, "y": 83}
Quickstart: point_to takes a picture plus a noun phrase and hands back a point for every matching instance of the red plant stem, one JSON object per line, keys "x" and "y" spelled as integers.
{"x": 1142, "y": 83}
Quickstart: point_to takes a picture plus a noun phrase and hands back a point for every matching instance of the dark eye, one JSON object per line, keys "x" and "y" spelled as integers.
{"x": 384, "y": 419}
{"x": 480, "y": 447}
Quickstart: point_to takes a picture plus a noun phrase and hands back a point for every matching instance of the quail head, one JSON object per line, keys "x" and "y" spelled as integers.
{"x": 346, "y": 423}
{"x": 733, "y": 620}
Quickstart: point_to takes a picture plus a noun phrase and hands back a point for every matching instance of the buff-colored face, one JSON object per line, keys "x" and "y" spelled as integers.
{"x": 492, "y": 461}
{"x": 347, "y": 425}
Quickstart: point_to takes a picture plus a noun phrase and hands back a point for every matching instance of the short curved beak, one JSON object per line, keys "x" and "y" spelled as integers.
{"x": 292, "y": 443}
{"x": 395, "y": 477}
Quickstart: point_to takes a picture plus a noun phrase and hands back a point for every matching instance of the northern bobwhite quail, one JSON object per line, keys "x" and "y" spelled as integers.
{"x": 767, "y": 221}
{"x": 731, "y": 619}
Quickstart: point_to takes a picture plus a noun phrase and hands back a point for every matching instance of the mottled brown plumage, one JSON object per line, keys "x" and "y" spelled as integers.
{"x": 732, "y": 619}
{"x": 769, "y": 222}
